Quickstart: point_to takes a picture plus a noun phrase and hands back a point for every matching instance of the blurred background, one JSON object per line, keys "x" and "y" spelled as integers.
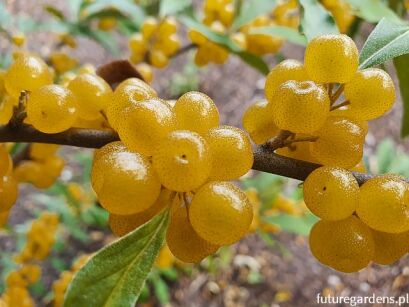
{"x": 273, "y": 265}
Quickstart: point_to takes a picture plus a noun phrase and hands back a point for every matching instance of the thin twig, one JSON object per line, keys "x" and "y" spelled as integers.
{"x": 300, "y": 139}
{"x": 337, "y": 93}
{"x": 342, "y": 104}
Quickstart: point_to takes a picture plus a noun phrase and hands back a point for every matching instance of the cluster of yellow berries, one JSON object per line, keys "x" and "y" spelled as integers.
{"x": 218, "y": 16}
{"x": 302, "y": 101}
{"x": 156, "y": 42}
{"x": 358, "y": 224}
{"x": 40, "y": 239}
{"x": 173, "y": 154}
{"x": 60, "y": 285}
{"x": 42, "y": 167}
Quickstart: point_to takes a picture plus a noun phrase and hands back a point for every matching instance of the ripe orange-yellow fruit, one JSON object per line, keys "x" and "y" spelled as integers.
{"x": 8, "y": 193}
{"x": 182, "y": 240}
{"x": 389, "y": 247}
{"x": 220, "y": 213}
{"x": 6, "y": 163}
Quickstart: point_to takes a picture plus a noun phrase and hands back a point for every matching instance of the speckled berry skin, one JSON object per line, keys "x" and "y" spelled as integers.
{"x": 389, "y": 247}
{"x": 220, "y": 213}
{"x": 27, "y": 73}
{"x": 331, "y": 58}
{"x": 371, "y": 94}
{"x": 196, "y": 112}
{"x": 340, "y": 143}
{"x": 145, "y": 124}
{"x": 300, "y": 107}
{"x": 182, "y": 161}
{"x": 232, "y": 154}
{"x": 51, "y": 109}
{"x": 331, "y": 193}
{"x": 123, "y": 180}
{"x": 346, "y": 245}
{"x": 258, "y": 122}
{"x": 285, "y": 71}
{"x": 384, "y": 204}
{"x": 93, "y": 95}
{"x": 182, "y": 240}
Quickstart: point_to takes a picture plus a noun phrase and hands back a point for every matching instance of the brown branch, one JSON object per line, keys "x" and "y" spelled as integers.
{"x": 265, "y": 159}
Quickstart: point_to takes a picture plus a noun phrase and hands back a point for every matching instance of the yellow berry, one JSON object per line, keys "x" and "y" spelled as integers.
{"x": 146, "y": 71}
{"x": 145, "y": 123}
{"x": 389, "y": 247}
{"x": 286, "y": 70}
{"x": 371, "y": 94}
{"x": 42, "y": 151}
{"x": 8, "y": 193}
{"x": 93, "y": 95}
{"x": 340, "y": 143}
{"x": 158, "y": 58}
{"x": 123, "y": 224}
{"x": 62, "y": 62}
{"x": 384, "y": 204}
{"x": 137, "y": 44}
{"x": 19, "y": 39}
{"x": 3, "y": 219}
{"x": 7, "y": 104}
{"x": 27, "y": 73}
{"x": 300, "y": 107}
{"x": 197, "y": 37}
{"x": 196, "y": 112}
{"x": 331, "y": 193}
{"x": 124, "y": 181}
{"x": 258, "y": 122}
{"x": 168, "y": 27}
{"x": 232, "y": 155}
{"x": 149, "y": 26}
{"x": 331, "y": 58}
{"x": 346, "y": 245}
{"x": 6, "y": 163}
{"x": 129, "y": 92}
{"x": 52, "y": 109}
{"x": 220, "y": 213}
{"x": 182, "y": 240}
{"x": 107, "y": 23}
{"x": 182, "y": 161}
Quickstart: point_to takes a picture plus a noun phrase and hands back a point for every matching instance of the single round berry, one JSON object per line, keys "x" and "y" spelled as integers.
{"x": 93, "y": 95}
{"x": 285, "y": 71}
{"x": 196, "y": 112}
{"x": 220, "y": 213}
{"x": 384, "y": 204}
{"x": 182, "y": 240}
{"x": 300, "y": 107}
{"x": 331, "y": 58}
{"x": 41, "y": 152}
{"x": 145, "y": 124}
{"x": 232, "y": 155}
{"x": 340, "y": 143}
{"x": 128, "y": 93}
{"x": 182, "y": 161}
{"x": 52, "y": 109}
{"x": 8, "y": 193}
{"x": 346, "y": 245}
{"x": 331, "y": 193}
{"x": 27, "y": 73}
{"x": 124, "y": 181}
{"x": 389, "y": 247}
{"x": 123, "y": 224}
{"x": 371, "y": 94}
{"x": 257, "y": 121}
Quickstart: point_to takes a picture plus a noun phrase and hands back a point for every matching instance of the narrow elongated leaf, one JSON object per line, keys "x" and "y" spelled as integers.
{"x": 126, "y": 7}
{"x": 252, "y": 9}
{"x": 169, "y": 7}
{"x": 284, "y": 32}
{"x": 116, "y": 275}
{"x": 315, "y": 20}
{"x": 225, "y": 41}
{"x": 388, "y": 40}
{"x": 294, "y": 224}
{"x": 55, "y": 12}
{"x": 373, "y": 10}
{"x": 402, "y": 70}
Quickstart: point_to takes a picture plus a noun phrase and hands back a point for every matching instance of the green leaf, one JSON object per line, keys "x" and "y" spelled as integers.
{"x": 284, "y": 32}
{"x": 373, "y": 10}
{"x": 295, "y": 224}
{"x": 225, "y": 41}
{"x": 385, "y": 154}
{"x": 171, "y": 7}
{"x": 55, "y": 12}
{"x": 126, "y": 7}
{"x": 401, "y": 65}
{"x": 161, "y": 290}
{"x": 315, "y": 20}
{"x": 75, "y": 8}
{"x": 388, "y": 40}
{"x": 116, "y": 275}
{"x": 250, "y": 10}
